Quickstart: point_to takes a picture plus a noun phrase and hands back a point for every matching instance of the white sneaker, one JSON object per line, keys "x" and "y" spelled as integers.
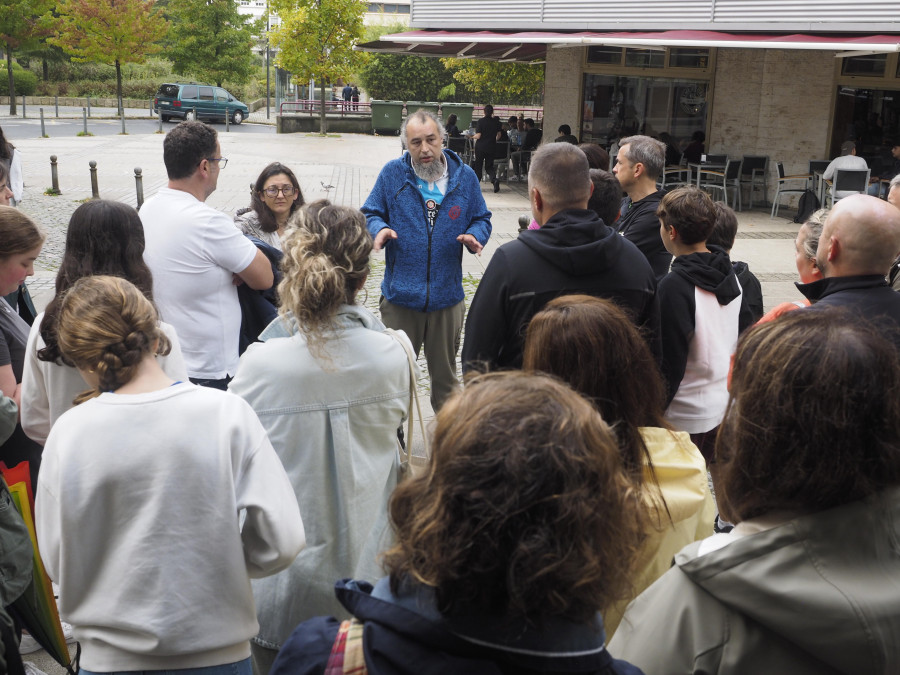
{"x": 28, "y": 645}
{"x": 31, "y": 669}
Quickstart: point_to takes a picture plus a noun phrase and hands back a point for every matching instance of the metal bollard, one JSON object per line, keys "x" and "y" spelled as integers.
{"x": 95, "y": 191}
{"x": 227, "y": 121}
{"x": 84, "y": 117}
{"x": 23, "y": 107}
{"x": 123, "y": 122}
{"x": 56, "y": 104}
{"x": 160, "y": 124}
{"x": 43, "y": 130}
{"x": 139, "y": 186}
{"x": 54, "y": 176}
{"x": 89, "y": 106}
{"x": 150, "y": 107}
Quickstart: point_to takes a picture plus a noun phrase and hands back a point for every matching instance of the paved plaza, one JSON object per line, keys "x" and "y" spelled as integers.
{"x": 342, "y": 168}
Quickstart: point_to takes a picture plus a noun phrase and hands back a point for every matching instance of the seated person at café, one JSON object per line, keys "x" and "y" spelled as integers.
{"x": 888, "y": 172}
{"x": 673, "y": 154}
{"x": 516, "y": 135}
{"x": 565, "y": 135}
{"x": 847, "y": 160}
{"x": 532, "y": 139}
{"x": 452, "y": 129}
{"x": 693, "y": 153}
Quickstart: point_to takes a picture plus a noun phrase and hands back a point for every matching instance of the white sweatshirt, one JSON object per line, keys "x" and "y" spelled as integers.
{"x": 137, "y": 518}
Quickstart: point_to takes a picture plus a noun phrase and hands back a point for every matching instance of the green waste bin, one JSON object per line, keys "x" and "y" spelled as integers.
{"x": 412, "y": 106}
{"x": 387, "y": 117}
{"x": 463, "y": 112}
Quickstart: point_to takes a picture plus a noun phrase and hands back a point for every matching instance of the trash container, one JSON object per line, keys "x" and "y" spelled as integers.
{"x": 412, "y": 106}
{"x": 387, "y": 117}
{"x": 463, "y": 112}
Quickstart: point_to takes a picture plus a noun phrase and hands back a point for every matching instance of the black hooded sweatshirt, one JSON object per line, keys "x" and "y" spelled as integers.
{"x": 574, "y": 252}
{"x": 712, "y": 272}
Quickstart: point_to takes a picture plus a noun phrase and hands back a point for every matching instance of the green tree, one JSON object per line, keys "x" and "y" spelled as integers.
{"x": 109, "y": 31}
{"x": 211, "y": 39}
{"x": 404, "y": 78}
{"x": 22, "y": 24}
{"x": 316, "y": 38}
{"x": 496, "y": 81}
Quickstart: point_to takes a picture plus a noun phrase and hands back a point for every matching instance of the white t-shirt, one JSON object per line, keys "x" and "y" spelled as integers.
{"x": 193, "y": 250}
{"x": 138, "y": 517}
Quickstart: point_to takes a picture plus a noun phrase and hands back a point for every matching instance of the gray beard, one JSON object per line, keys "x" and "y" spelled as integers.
{"x": 431, "y": 171}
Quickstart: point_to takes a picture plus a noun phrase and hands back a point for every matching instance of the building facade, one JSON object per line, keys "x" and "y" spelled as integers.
{"x": 790, "y": 79}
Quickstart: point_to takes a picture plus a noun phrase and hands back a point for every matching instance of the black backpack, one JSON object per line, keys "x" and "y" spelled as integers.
{"x": 808, "y": 205}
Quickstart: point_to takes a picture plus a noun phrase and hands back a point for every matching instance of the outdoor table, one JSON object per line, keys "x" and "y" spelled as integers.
{"x": 701, "y": 167}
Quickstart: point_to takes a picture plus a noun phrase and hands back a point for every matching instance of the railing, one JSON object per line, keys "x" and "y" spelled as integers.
{"x": 313, "y": 107}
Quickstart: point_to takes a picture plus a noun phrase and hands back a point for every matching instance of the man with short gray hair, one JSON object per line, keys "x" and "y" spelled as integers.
{"x": 573, "y": 251}
{"x": 640, "y": 161}
{"x": 425, "y": 207}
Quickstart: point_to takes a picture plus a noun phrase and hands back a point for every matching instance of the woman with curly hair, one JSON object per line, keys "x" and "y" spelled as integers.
{"x": 158, "y": 500}
{"x": 523, "y": 529}
{"x": 103, "y": 237}
{"x": 808, "y": 459}
{"x": 591, "y": 344}
{"x": 331, "y": 388}
{"x": 276, "y": 196}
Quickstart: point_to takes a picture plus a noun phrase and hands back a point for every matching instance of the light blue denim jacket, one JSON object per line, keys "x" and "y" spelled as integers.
{"x": 333, "y": 421}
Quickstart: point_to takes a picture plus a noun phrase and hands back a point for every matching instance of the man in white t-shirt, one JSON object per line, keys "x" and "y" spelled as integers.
{"x": 847, "y": 160}
{"x": 198, "y": 256}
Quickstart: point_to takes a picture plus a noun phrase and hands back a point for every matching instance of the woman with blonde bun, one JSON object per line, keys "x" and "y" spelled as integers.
{"x": 157, "y": 500}
{"x": 331, "y": 388}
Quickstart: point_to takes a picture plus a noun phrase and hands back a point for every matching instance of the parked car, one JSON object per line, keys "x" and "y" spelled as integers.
{"x": 191, "y": 100}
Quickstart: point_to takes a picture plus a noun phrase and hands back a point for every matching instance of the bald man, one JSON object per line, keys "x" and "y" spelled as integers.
{"x": 859, "y": 243}
{"x": 574, "y": 251}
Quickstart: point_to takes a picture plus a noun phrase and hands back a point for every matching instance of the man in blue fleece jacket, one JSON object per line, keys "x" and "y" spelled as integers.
{"x": 425, "y": 207}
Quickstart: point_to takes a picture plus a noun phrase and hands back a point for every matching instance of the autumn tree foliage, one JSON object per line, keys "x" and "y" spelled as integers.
{"x": 496, "y": 81}
{"x": 22, "y": 25}
{"x": 212, "y": 40}
{"x": 316, "y": 38}
{"x": 109, "y": 31}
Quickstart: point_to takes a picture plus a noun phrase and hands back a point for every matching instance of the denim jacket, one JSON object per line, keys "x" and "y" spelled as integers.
{"x": 332, "y": 418}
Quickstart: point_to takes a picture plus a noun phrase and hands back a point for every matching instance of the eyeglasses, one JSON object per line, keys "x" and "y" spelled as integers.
{"x": 273, "y": 190}
{"x": 223, "y": 160}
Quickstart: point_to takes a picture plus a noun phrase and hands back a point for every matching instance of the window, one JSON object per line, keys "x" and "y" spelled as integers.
{"x": 645, "y": 58}
{"x": 206, "y": 93}
{"x": 617, "y": 106}
{"x": 680, "y": 57}
{"x": 608, "y": 55}
{"x": 872, "y": 64}
{"x": 189, "y": 92}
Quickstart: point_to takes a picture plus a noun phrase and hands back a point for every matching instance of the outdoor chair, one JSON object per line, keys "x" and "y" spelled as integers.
{"x": 817, "y": 165}
{"x": 458, "y": 145}
{"x": 855, "y": 180}
{"x": 501, "y": 160}
{"x": 673, "y": 176}
{"x": 793, "y": 184}
{"x": 755, "y": 174}
{"x": 716, "y": 159}
{"x": 730, "y": 177}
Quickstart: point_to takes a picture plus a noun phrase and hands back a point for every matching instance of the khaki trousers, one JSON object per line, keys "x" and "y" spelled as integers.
{"x": 439, "y": 332}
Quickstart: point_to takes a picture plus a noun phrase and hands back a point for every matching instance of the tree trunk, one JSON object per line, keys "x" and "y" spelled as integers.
{"x": 45, "y": 69}
{"x": 12, "y": 83}
{"x": 322, "y": 129}
{"x": 119, "y": 88}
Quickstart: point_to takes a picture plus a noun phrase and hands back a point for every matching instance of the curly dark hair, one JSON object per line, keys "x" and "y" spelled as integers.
{"x": 525, "y": 510}
{"x": 813, "y": 419}
{"x": 188, "y": 144}
{"x": 264, "y": 213}
{"x": 103, "y": 237}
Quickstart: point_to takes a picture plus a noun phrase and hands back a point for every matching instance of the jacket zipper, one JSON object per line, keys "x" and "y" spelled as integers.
{"x": 437, "y": 211}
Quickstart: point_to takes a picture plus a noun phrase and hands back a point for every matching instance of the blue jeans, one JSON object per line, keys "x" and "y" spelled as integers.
{"x": 236, "y": 668}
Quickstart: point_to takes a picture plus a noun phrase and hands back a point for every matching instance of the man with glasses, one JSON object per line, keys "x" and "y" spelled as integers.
{"x": 198, "y": 256}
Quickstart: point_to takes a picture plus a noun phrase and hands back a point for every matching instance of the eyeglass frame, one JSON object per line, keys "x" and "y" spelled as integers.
{"x": 281, "y": 190}
{"x": 224, "y": 161}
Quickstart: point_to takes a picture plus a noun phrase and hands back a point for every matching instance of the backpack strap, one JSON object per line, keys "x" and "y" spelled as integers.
{"x": 347, "y": 656}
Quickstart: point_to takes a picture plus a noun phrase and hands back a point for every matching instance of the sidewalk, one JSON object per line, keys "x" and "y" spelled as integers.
{"x": 103, "y": 112}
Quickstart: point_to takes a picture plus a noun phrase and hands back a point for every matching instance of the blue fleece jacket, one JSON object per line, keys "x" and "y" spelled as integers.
{"x": 424, "y": 266}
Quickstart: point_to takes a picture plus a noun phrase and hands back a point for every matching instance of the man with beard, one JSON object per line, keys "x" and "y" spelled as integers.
{"x": 424, "y": 208}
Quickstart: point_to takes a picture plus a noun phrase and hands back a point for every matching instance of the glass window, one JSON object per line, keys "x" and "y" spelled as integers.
{"x": 871, "y": 117}
{"x": 221, "y": 94}
{"x": 681, "y": 57}
{"x": 609, "y": 55}
{"x": 617, "y": 106}
{"x": 645, "y": 58}
{"x": 206, "y": 93}
{"x": 189, "y": 92}
{"x": 403, "y": 9}
{"x": 873, "y": 64}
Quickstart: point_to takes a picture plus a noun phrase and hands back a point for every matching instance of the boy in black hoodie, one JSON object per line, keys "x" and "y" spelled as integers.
{"x": 723, "y": 235}
{"x": 701, "y": 316}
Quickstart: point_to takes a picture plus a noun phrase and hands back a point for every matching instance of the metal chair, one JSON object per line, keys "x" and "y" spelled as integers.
{"x": 722, "y": 180}
{"x": 783, "y": 183}
{"x": 674, "y": 175}
{"x": 755, "y": 174}
{"x": 457, "y": 144}
{"x": 817, "y": 165}
{"x": 847, "y": 180}
{"x": 716, "y": 159}
{"x": 501, "y": 160}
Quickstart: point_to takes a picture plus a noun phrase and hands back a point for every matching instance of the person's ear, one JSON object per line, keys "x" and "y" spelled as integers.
{"x": 536, "y": 199}
{"x": 834, "y": 248}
